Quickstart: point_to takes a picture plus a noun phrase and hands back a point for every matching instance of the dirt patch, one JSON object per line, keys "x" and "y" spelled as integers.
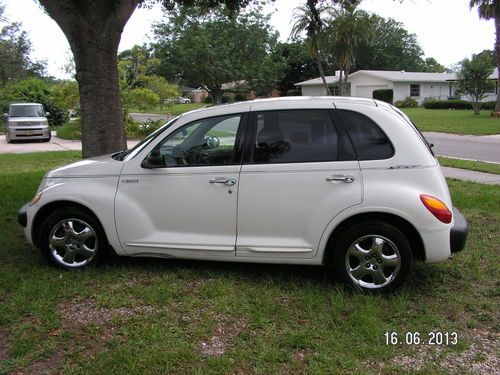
{"x": 480, "y": 358}
{"x": 4, "y": 344}
{"x": 82, "y": 313}
{"x": 224, "y": 333}
{"x": 47, "y": 365}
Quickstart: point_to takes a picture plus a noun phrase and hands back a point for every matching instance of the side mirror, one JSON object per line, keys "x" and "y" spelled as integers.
{"x": 153, "y": 160}
{"x": 212, "y": 142}
{"x": 47, "y": 114}
{"x": 5, "y": 116}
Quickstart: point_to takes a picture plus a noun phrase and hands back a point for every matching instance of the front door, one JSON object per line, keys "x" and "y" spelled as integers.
{"x": 187, "y": 206}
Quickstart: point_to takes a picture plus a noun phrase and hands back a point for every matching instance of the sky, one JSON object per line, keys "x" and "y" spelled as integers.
{"x": 446, "y": 29}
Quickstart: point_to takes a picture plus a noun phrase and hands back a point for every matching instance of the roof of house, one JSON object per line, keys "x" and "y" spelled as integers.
{"x": 394, "y": 76}
{"x": 390, "y": 75}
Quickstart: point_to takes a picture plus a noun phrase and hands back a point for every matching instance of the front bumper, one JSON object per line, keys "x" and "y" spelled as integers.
{"x": 22, "y": 215}
{"x": 459, "y": 232}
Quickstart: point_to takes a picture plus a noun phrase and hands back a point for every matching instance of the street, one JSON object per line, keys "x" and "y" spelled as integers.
{"x": 484, "y": 148}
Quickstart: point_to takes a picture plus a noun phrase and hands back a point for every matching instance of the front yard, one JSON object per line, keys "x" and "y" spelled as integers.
{"x": 454, "y": 121}
{"x": 182, "y": 317}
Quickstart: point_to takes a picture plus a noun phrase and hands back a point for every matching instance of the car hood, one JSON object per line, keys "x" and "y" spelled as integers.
{"x": 102, "y": 166}
{"x": 24, "y": 120}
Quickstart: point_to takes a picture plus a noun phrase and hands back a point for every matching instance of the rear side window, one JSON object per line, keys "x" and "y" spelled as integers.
{"x": 294, "y": 136}
{"x": 369, "y": 141}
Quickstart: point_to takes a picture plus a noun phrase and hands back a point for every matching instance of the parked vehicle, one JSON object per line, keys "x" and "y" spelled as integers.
{"x": 345, "y": 182}
{"x": 181, "y": 100}
{"x": 26, "y": 121}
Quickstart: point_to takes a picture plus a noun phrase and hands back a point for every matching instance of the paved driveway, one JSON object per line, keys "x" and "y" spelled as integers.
{"x": 55, "y": 144}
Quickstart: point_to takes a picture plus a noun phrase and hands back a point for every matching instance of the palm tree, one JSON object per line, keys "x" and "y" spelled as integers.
{"x": 308, "y": 18}
{"x": 488, "y": 9}
{"x": 347, "y": 28}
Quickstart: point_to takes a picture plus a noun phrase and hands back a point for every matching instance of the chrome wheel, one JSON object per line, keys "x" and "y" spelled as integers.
{"x": 73, "y": 243}
{"x": 372, "y": 261}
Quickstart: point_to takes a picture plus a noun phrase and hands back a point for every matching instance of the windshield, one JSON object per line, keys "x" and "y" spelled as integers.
{"x": 129, "y": 154}
{"x": 35, "y": 110}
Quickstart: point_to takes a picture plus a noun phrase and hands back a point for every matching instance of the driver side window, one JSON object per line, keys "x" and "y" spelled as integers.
{"x": 209, "y": 141}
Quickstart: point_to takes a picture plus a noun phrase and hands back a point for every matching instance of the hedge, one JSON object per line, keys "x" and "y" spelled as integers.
{"x": 455, "y": 104}
{"x": 386, "y": 95}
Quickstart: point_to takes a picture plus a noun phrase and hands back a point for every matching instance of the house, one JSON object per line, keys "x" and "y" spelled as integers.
{"x": 417, "y": 85}
{"x": 196, "y": 95}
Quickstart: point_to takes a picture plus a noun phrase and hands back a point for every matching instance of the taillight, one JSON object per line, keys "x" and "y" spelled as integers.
{"x": 437, "y": 208}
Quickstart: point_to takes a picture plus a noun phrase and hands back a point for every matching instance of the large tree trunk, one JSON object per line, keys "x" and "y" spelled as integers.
{"x": 93, "y": 29}
{"x": 497, "y": 53}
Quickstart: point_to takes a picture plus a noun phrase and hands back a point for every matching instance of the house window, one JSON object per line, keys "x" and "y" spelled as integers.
{"x": 414, "y": 90}
{"x": 335, "y": 90}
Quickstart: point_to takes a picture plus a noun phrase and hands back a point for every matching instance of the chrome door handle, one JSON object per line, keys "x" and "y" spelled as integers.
{"x": 346, "y": 179}
{"x": 223, "y": 180}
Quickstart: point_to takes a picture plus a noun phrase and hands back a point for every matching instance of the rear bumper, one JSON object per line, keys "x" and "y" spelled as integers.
{"x": 459, "y": 232}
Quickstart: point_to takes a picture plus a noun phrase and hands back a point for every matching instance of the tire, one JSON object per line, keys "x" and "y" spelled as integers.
{"x": 373, "y": 257}
{"x": 72, "y": 239}
{"x": 47, "y": 139}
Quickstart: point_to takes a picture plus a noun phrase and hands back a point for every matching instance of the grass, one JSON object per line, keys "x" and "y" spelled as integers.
{"x": 472, "y": 165}
{"x": 454, "y": 121}
{"x": 183, "y": 317}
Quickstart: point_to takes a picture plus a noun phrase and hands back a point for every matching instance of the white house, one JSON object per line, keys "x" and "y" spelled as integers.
{"x": 417, "y": 85}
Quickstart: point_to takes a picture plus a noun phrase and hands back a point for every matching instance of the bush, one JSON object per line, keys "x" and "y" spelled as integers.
{"x": 446, "y": 104}
{"x": 71, "y": 130}
{"x": 406, "y": 103}
{"x": 137, "y": 130}
{"x": 488, "y": 105}
{"x": 386, "y": 95}
{"x": 240, "y": 97}
{"x": 294, "y": 92}
{"x": 58, "y": 116}
{"x": 208, "y": 100}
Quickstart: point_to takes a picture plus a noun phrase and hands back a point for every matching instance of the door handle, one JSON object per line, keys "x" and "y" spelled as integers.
{"x": 346, "y": 179}
{"x": 223, "y": 180}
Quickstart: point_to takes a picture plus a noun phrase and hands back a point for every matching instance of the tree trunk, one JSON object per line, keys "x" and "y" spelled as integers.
{"x": 476, "y": 107}
{"x": 344, "y": 84}
{"x": 497, "y": 53}
{"x": 93, "y": 29}
{"x": 341, "y": 73}
{"x": 321, "y": 71}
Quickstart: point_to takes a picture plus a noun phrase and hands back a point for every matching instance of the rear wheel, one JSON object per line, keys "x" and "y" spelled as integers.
{"x": 373, "y": 257}
{"x": 72, "y": 238}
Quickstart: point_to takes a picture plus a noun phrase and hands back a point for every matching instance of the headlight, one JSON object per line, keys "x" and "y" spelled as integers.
{"x": 36, "y": 198}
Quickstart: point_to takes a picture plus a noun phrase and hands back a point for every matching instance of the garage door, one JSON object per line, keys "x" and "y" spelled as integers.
{"x": 367, "y": 91}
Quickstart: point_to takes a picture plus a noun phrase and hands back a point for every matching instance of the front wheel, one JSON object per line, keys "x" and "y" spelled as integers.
{"x": 72, "y": 238}
{"x": 373, "y": 257}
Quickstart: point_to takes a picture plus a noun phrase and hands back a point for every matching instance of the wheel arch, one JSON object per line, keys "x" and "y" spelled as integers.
{"x": 414, "y": 238}
{"x": 50, "y": 207}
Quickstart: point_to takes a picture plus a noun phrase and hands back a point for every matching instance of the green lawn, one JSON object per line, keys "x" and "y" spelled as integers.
{"x": 175, "y": 110}
{"x": 454, "y": 121}
{"x": 150, "y": 316}
{"x": 479, "y": 166}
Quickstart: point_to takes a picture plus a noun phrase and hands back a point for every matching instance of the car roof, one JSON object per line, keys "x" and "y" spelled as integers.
{"x": 19, "y": 104}
{"x": 312, "y": 100}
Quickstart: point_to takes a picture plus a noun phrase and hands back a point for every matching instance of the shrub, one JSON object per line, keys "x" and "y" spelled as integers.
{"x": 488, "y": 105}
{"x": 208, "y": 100}
{"x": 240, "y": 97}
{"x": 70, "y": 130}
{"x": 293, "y": 92}
{"x": 137, "y": 130}
{"x": 386, "y": 95}
{"x": 406, "y": 103}
{"x": 58, "y": 116}
{"x": 446, "y": 104}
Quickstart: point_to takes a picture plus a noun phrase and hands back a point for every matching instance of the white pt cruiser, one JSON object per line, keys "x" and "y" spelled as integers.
{"x": 345, "y": 182}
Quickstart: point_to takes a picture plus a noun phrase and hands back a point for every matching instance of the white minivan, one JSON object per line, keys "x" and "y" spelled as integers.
{"x": 348, "y": 183}
{"x": 26, "y": 121}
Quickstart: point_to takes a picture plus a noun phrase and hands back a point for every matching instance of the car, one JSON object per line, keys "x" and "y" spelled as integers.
{"x": 347, "y": 183}
{"x": 26, "y": 121}
{"x": 181, "y": 100}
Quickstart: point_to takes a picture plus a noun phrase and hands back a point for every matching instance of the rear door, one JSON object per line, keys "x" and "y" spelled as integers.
{"x": 300, "y": 172}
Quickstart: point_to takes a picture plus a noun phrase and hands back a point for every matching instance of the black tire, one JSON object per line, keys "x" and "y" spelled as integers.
{"x": 72, "y": 238}
{"x": 47, "y": 139}
{"x": 380, "y": 263}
